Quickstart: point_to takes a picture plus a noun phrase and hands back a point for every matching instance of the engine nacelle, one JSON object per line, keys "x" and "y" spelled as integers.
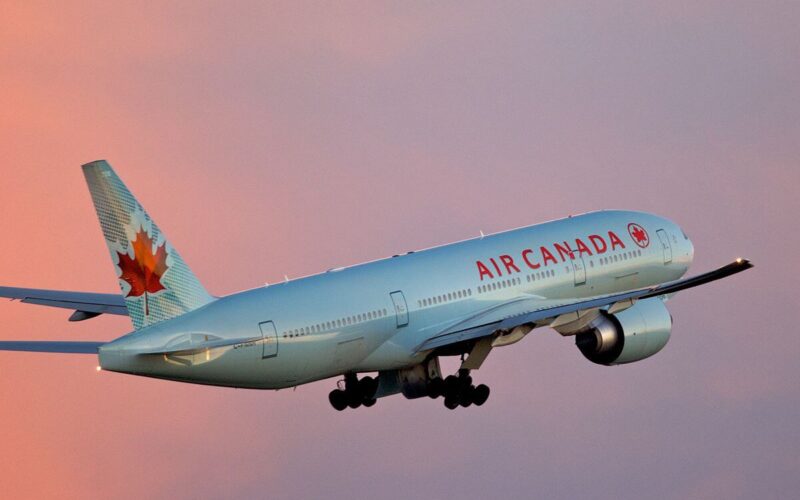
{"x": 631, "y": 335}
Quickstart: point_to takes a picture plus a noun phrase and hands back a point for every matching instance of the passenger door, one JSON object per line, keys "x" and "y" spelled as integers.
{"x": 579, "y": 269}
{"x": 400, "y": 308}
{"x": 269, "y": 337}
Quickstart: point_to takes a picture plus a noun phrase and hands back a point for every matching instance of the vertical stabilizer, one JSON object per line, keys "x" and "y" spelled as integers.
{"x": 156, "y": 283}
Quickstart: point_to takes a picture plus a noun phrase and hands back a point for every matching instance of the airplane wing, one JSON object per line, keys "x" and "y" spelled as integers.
{"x": 522, "y": 312}
{"x": 55, "y": 347}
{"x": 85, "y": 305}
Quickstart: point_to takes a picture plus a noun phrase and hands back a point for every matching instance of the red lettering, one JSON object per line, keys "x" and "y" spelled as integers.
{"x": 532, "y": 265}
{"x": 547, "y": 256}
{"x": 601, "y": 247}
{"x": 499, "y": 273}
{"x": 582, "y": 247}
{"x": 483, "y": 270}
{"x": 509, "y": 263}
{"x": 564, "y": 251}
{"x": 615, "y": 240}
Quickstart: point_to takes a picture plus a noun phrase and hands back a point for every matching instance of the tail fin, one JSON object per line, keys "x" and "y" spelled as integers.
{"x": 156, "y": 283}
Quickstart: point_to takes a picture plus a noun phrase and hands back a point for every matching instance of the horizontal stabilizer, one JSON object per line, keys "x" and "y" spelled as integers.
{"x": 91, "y": 304}
{"x": 55, "y": 346}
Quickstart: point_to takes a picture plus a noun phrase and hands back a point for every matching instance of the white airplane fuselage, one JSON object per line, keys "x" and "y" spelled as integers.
{"x": 372, "y": 317}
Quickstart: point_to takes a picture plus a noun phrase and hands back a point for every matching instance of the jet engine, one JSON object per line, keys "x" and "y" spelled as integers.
{"x": 631, "y": 335}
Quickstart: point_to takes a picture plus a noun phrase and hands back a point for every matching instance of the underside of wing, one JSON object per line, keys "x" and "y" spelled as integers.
{"x": 51, "y": 346}
{"x": 86, "y": 305}
{"x": 504, "y": 318}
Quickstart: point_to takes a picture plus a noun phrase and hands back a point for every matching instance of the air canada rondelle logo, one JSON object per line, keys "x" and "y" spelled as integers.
{"x": 638, "y": 235}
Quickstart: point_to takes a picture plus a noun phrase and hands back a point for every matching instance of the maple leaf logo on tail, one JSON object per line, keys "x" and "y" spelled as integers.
{"x": 144, "y": 271}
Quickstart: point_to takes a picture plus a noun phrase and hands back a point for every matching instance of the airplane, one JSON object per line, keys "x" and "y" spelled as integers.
{"x": 601, "y": 277}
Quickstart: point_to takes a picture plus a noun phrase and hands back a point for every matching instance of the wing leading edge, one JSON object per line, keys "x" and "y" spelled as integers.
{"x": 498, "y": 320}
{"x": 86, "y": 305}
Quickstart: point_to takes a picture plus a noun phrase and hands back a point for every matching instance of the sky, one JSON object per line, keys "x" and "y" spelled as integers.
{"x": 286, "y": 138}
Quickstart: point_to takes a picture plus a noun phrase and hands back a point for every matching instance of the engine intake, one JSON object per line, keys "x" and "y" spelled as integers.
{"x": 631, "y": 335}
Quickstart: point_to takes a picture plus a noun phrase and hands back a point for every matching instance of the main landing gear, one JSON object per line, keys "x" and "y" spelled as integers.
{"x": 356, "y": 393}
{"x": 458, "y": 390}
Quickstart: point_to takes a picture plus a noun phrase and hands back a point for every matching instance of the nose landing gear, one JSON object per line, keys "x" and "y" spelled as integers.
{"x": 356, "y": 393}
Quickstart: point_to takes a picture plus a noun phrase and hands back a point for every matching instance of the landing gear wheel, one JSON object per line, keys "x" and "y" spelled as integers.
{"x": 367, "y": 387}
{"x": 451, "y": 385}
{"x": 466, "y": 396}
{"x": 338, "y": 400}
{"x": 369, "y": 402}
{"x": 436, "y": 388}
{"x": 353, "y": 397}
{"x": 450, "y": 404}
{"x": 480, "y": 394}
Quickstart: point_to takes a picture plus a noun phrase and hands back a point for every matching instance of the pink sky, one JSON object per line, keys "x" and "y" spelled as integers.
{"x": 291, "y": 138}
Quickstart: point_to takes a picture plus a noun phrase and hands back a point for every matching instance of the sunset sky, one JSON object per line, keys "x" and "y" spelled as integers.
{"x": 272, "y": 139}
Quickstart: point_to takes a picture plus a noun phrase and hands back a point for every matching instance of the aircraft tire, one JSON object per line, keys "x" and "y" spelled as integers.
{"x": 480, "y": 394}
{"x": 436, "y": 388}
{"x": 338, "y": 399}
{"x": 466, "y": 397}
{"x": 451, "y": 385}
{"x": 367, "y": 386}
